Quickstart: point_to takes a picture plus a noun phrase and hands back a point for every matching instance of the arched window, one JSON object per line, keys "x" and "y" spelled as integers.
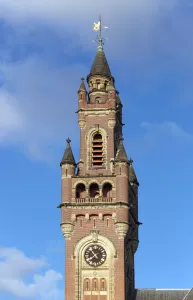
{"x": 94, "y": 190}
{"x": 87, "y": 284}
{"x": 103, "y": 284}
{"x": 95, "y": 284}
{"x": 80, "y": 191}
{"x": 97, "y": 150}
{"x": 107, "y": 190}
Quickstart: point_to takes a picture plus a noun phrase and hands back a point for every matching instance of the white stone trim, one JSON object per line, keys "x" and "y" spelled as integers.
{"x": 104, "y": 271}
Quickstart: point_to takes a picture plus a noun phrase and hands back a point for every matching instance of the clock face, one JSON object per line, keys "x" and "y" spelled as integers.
{"x": 95, "y": 255}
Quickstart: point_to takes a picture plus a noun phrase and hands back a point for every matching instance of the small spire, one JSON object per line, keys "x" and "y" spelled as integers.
{"x": 121, "y": 155}
{"x": 68, "y": 157}
{"x": 82, "y": 86}
{"x": 132, "y": 175}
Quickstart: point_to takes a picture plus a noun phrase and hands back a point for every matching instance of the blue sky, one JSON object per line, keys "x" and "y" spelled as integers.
{"x": 46, "y": 47}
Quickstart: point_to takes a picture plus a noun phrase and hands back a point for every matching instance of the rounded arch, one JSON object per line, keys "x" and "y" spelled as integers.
{"x": 79, "y": 182}
{"x": 95, "y": 130}
{"x": 94, "y": 181}
{"x": 107, "y": 181}
{"x": 88, "y": 240}
{"x": 107, "y": 190}
{"x": 78, "y": 255}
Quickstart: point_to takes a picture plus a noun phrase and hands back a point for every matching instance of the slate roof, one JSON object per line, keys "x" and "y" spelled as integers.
{"x": 189, "y": 296}
{"x": 100, "y": 65}
{"x": 68, "y": 157}
{"x": 132, "y": 175}
{"x": 156, "y": 294}
{"x": 121, "y": 155}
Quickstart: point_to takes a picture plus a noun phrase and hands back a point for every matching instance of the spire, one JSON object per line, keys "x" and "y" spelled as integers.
{"x": 121, "y": 155}
{"x": 82, "y": 86}
{"x": 100, "y": 65}
{"x": 132, "y": 175}
{"x": 68, "y": 157}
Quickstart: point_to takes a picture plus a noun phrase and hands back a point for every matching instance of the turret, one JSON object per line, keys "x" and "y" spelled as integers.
{"x": 121, "y": 170}
{"x": 99, "y": 77}
{"x": 68, "y": 166}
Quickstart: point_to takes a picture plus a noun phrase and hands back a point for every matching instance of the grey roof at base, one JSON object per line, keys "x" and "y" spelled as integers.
{"x": 156, "y": 294}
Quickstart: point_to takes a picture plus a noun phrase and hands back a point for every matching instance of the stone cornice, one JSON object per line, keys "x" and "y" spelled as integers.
{"x": 96, "y": 109}
{"x": 94, "y": 205}
{"x": 91, "y": 176}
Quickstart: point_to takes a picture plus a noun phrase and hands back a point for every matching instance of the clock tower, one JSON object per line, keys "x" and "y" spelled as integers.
{"x": 99, "y": 207}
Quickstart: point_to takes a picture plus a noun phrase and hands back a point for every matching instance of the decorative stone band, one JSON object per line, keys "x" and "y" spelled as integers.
{"x": 67, "y": 229}
{"x": 121, "y": 229}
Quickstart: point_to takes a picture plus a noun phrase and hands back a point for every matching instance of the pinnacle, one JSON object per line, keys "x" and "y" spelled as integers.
{"x": 68, "y": 157}
{"x": 82, "y": 85}
{"x": 121, "y": 155}
{"x": 132, "y": 175}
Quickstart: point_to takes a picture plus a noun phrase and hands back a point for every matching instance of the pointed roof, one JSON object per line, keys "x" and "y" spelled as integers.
{"x": 121, "y": 155}
{"x": 82, "y": 86}
{"x": 100, "y": 65}
{"x": 132, "y": 175}
{"x": 68, "y": 157}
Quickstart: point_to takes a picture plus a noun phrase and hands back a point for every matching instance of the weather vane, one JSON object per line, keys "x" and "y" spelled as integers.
{"x": 98, "y": 27}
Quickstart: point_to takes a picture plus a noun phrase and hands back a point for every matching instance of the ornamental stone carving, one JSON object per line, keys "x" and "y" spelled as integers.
{"x": 121, "y": 229}
{"x": 82, "y": 123}
{"x": 94, "y": 234}
{"x": 111, "y": 123}
{"x": 67, "y": 229}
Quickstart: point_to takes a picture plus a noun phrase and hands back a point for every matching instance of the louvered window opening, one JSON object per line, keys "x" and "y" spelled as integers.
{"x": 97, "y": 151}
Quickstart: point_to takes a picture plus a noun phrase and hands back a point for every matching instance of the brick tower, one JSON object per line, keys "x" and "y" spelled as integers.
{"x": 99, "y": 196}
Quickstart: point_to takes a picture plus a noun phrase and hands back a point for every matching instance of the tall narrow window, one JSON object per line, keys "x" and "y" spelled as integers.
{"x": 103, "y": 285}
{"x": 97, "y": 150}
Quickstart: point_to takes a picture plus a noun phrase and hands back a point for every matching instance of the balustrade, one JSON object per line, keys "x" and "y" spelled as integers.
{"x": 94, "y": 200}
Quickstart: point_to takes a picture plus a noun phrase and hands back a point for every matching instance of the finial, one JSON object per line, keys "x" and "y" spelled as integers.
{"x": 100, "y": 40}
{"x": 130, "y": 161}
{"x": 82, "y": 78}
{"x": 68, "y": 140}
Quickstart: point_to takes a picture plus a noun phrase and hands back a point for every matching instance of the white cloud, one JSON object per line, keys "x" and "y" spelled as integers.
{"x": 58, "y": 9}
{"x": 162, "y": 134}
{"x": 15, "y": 267}
{"x": 11, "y": 119}
{"x": 39, "y": 96}
{"x": 39, "y": 103}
